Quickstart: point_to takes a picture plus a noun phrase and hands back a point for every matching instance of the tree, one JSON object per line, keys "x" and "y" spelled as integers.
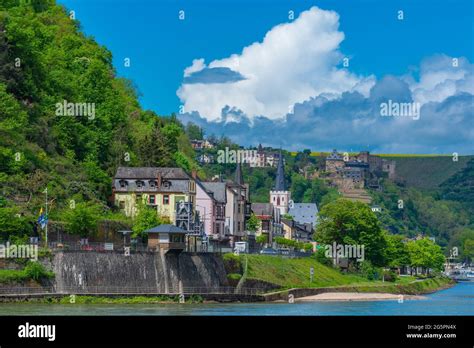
{"x": 425, "y": 253}
{"x": 12, "y": 223}
{"x": 468, "y": 249}
{"x": 82, "y": 220}
{"x": 194, "y": 132}
{"x": 146, "y": 218}
{"x": 253, "y": 223}
{"x": 352, "y": 223}
{"x": 396, "y": 252}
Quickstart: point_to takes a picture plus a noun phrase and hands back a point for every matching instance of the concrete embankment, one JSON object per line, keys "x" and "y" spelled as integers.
{"x": 168, "y": 274}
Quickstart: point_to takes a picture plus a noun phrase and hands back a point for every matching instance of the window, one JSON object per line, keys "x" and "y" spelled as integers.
{"x": 238, "y": 208}
{"x": 152, "y": 199}
{"x": 218, "y": 228}
{"x": 140, "y": 183}
{"x": 166, "y": 199}
{"x": 238, "y": 226}
{"x": 122, "y": 204}
{"x": 153, "y": 183}
{"x": 177, "y": 238}
{"x": 123, "y": 183}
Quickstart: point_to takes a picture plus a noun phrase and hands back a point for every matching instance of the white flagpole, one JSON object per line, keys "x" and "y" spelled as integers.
{"x": 46, "y": 204}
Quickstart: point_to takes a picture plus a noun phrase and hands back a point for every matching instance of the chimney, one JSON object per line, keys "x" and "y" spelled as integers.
{"x": 158, "y": 179}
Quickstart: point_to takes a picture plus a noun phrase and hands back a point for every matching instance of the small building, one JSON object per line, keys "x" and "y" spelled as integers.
{"x": 376, "y": 208}
{"x": 205, "y": 158}
{"x": 301, "y": 232}
{"x": 201, "y": 144}
{"x": 266, "y": 214}
{"x": 167, "y": 238}
{"x": 237, "y": 208}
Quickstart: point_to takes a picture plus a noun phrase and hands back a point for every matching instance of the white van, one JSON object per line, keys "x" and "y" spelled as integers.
{"x": 241, "y": 247}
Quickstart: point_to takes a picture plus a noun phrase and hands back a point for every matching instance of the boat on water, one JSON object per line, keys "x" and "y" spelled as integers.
{"x": 462, "y": 275}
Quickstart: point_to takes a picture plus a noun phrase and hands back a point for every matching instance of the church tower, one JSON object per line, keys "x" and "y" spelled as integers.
{"x": 279, "y": 196}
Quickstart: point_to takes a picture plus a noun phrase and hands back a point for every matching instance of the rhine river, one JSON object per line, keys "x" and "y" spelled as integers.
{"x": 458, "y": 300}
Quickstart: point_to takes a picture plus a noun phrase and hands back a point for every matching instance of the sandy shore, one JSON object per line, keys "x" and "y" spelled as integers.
{"x": 356, "y": 296}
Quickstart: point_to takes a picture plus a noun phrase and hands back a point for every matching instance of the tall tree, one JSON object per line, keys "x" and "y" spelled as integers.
{"x": 352, "y": 223}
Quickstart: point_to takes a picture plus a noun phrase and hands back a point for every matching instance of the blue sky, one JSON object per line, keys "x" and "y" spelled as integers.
{"x": 161, "y": 47}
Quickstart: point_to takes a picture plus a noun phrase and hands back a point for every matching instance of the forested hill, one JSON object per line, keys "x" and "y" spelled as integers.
{"x": 45, "y": 59}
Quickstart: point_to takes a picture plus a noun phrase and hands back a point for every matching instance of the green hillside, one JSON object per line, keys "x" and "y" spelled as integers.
{"x": 46, "y": 61}
{"x": 428, "y": 172}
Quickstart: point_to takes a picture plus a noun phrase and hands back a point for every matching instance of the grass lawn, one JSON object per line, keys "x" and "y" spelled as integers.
{"x": 11, "y": 276}
{"x": 294, "y": 273}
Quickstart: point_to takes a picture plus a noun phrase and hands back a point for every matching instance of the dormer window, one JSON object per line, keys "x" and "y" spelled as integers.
{"x": 166, "y": 184}
{"x": 153, "y": 183}
{"x": 123, "y": 183}
{"x": 140, "y": 183}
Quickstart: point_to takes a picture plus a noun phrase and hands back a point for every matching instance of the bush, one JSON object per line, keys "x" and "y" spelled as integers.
{"x": 36, "y": 271}
{"x": 232, "y": 263}
{"x": 390, "y": 276}
{"x": 234, "y": 278}
{"x": 370, "y": 271}
{"x": 320, "y": 256}
{"x": 262, "y": 239}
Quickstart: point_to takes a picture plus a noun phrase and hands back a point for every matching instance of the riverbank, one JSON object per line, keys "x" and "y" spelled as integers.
{"x": 363, "y": 291}
{"x": 457, "y": 300}
{"x": 415, "y": 287}
{"x": 358, "y": 296}
{"x": 244, "y": 278}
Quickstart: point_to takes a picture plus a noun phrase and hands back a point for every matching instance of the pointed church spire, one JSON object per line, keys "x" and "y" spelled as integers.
{"x": 280, "y": 175}
{"x": 239, "y": 178}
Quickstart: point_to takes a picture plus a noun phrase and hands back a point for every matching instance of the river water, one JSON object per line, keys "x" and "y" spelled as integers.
{"x": 458, "y": 300}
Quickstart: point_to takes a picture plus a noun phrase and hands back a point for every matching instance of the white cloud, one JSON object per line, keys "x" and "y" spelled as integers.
{"x": 353, "y": 122}
{"x": 294, "y": 62}
{"x": 439, "y": 79}
{"x": 198, "y": 65}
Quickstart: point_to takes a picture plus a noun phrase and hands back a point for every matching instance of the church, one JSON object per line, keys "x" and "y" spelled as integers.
{"x": 282, "y": 217}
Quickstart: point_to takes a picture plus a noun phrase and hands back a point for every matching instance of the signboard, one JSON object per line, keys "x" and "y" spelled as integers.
{"x": 108, "y": 246}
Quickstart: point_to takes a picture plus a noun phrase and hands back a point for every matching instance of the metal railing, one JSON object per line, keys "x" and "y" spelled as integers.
{"x": 97, "y": 246}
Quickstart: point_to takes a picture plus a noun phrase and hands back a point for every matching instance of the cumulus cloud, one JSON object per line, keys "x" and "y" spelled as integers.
{"x": 440, "y": 77}
{"x": 294, "y": 62}
{"x": 290, "y": 91}
{"x": 352, "y": 121}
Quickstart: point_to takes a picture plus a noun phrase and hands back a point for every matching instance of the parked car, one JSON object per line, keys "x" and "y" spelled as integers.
{"x": 268, "y": 251}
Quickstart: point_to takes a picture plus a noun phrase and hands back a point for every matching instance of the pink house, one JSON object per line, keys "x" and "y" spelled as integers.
{"x": 210, "y": 203}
